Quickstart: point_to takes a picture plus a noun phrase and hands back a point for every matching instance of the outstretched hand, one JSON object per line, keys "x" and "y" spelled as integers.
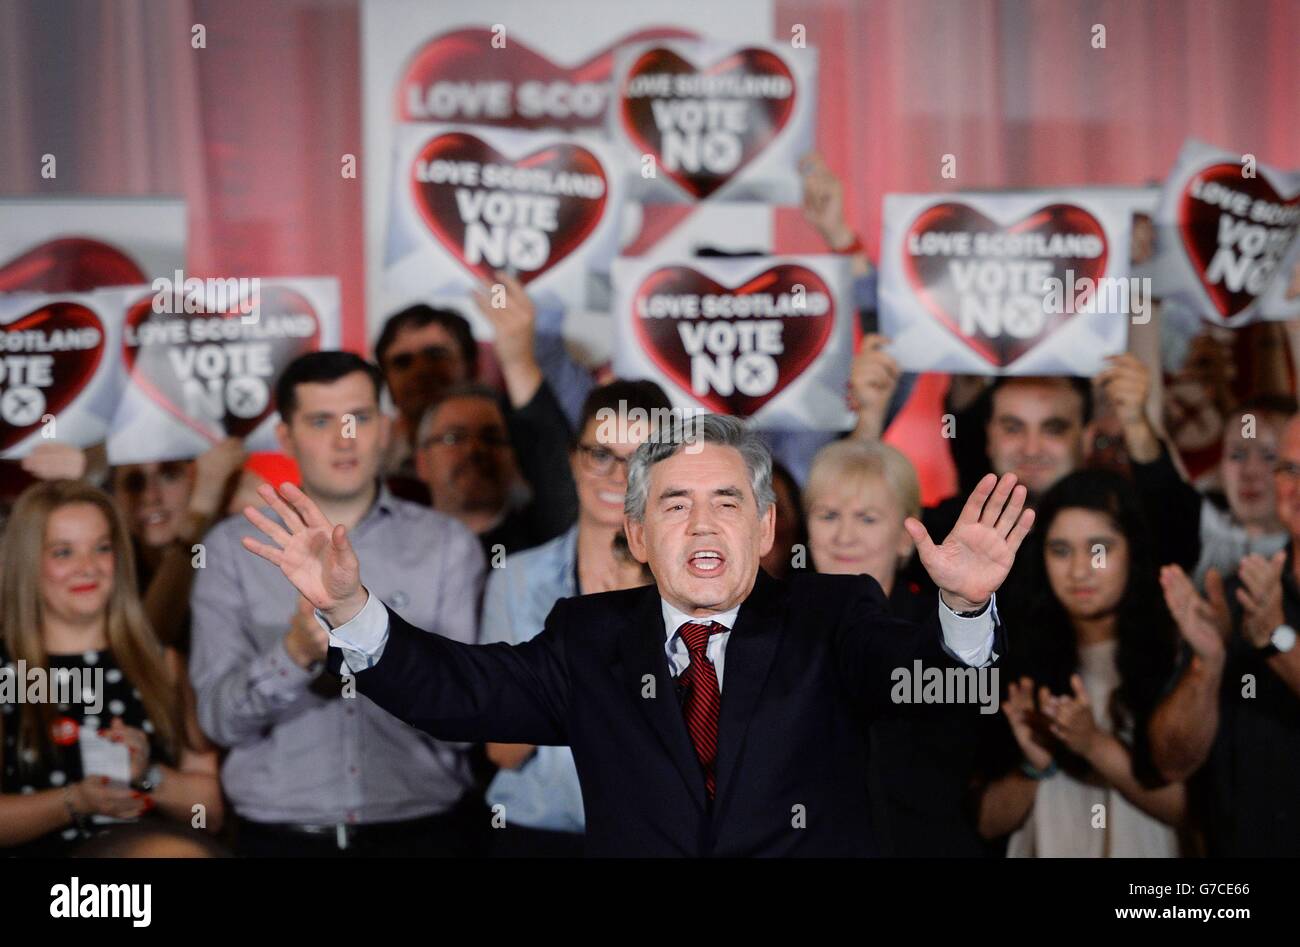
{"x": 1204, "y": 625}
{"x": 315, "y": 555}
{"x": 977, "y": 555}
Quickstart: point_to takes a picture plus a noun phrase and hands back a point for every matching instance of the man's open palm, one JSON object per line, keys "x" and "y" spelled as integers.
{"x": 313, "y": 554}
{"x": 977, "y": 555}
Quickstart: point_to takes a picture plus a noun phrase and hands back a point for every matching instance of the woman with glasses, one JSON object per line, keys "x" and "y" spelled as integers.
{"x": 116, "y": 739}
{"x": 168, "y": 507}
{"x": 539, "y": 785}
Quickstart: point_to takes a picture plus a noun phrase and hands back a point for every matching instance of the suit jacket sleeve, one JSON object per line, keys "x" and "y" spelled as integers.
{"x": 473, "y": 693}
{"x": 872, "y": 644}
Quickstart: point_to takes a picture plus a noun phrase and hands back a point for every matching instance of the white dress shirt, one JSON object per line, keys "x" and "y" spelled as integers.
{"x": 679, "y": 656}
{"x": 362, "y": 639}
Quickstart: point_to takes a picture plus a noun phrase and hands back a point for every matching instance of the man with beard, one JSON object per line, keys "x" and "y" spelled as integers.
{"x": 498, "y": 463}
{"x": 465, "y": 456}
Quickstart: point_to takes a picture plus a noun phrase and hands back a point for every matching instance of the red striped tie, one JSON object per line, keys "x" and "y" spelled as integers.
{"x": 702, "y": 697}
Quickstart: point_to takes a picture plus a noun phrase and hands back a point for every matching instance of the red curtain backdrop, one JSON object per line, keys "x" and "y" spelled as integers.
{"x": 252, "y": 130}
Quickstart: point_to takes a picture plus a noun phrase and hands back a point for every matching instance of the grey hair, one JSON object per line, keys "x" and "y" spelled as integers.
{"x": 468, "y": 389}
{"x": 723, "y": 430}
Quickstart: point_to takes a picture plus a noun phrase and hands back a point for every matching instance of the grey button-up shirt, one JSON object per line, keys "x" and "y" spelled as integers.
{"x": 296, "y": 755}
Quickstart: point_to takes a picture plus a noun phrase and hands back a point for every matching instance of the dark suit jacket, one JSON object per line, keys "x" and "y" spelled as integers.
{"x": 807, "y": 666}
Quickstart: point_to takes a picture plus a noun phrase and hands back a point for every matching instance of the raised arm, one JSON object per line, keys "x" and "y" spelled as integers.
{"x": 975, "y": 558}
{"x": 968, "y": 568}
{"x": 1173, "y": 504}
{"x": 495, "y": 693}
{"x": 452, "y": 691}
{"x": 1183, "y": 726}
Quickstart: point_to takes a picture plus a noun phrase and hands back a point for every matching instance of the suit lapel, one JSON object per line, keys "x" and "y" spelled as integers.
{"x": 748, "y": 658}
{"x": 643, "y": 653}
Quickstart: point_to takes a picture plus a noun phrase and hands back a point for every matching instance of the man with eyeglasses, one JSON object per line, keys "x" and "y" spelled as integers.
{"x": 312, "y": 770}
{"x": 425, "y": 352}
{"x": 1236, "y": 707}
{"x": 499, "y": 464}
{"x": 500, "y": 471}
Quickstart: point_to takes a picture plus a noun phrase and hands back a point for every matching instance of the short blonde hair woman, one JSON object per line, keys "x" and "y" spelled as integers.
{"x": 69, "y": 603}
{"x": 857, "y": 496}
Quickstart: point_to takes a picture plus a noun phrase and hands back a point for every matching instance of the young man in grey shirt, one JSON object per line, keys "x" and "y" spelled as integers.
{"x": 313, "y": 768}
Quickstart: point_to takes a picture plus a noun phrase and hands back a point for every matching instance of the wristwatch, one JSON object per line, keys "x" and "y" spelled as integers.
{"x": 152, "y": 779}
{"x": 1281, "y": 641}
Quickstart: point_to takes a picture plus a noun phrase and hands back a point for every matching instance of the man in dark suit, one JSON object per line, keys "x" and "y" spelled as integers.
{"x": 719, "y": 712}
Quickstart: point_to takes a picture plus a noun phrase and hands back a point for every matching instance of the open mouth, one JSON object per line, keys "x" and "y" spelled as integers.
{"x": 155, "y": 519}
{"x": 706, "y": 563}
{"x": 605, "y": 496}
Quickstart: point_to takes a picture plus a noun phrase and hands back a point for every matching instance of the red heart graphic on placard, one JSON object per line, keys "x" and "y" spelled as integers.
{"x": 716, "y": 165}
{"x": 1198, "y": 225}
{"x": 933, "y": 283}
{"x": 802, "y": 337}
{"x": 457, "y": 77}
{"x": 73, "y": 368}
{"x": 575, "y": 219}
{"x": 246, "y": 396}
{"x": 69, "y": 265}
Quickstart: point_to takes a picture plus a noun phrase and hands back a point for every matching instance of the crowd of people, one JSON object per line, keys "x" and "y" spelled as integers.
{"x": 1150, "y": 693}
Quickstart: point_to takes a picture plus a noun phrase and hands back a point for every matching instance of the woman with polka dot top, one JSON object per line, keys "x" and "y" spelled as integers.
{"x": 97, "y": 721}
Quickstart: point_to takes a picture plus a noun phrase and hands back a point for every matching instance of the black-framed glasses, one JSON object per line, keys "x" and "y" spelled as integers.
{"x": 490, "y": 438}
{"x": 601, "y": 460}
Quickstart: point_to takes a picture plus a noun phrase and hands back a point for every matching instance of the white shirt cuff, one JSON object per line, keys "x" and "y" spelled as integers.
{"x": 969, "y": 640}
{"x": 361, "y": 639}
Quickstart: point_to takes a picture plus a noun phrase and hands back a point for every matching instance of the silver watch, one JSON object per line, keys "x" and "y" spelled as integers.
{"x": 1281, "y": 641}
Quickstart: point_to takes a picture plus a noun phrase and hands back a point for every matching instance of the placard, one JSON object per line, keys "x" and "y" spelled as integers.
{"x": 59, "y": 377}
{"x": 1031, "y": 283}
{"x": 703, "y": 120}
{"x": 504, "y": 63}
{"x": 765, "y": 338}
{"x": 467, "y": 202}
{"x": 1225, "y": 236}
{"x": 205, "y": 367}
{"x": 78, "y": 244}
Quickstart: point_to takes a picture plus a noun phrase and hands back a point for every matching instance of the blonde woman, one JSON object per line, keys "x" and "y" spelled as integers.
{"x": 857, "y": 496}
{"x": 70, "y": 609}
